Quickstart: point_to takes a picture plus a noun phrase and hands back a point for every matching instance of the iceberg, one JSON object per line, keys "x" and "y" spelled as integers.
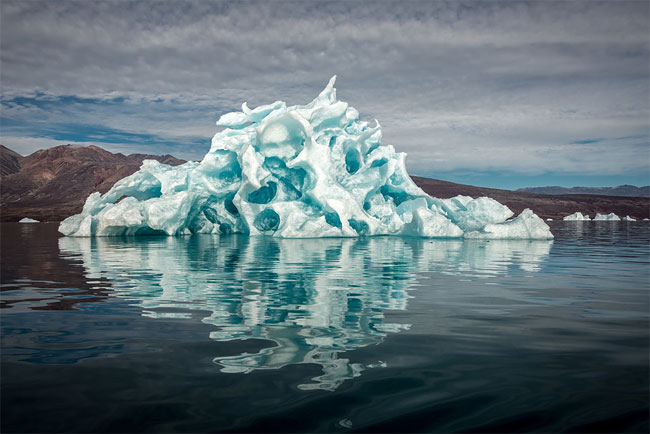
{"x": 576, "y": 216}
{"x": 302, "y": 171}
{"x": 28, "y": 220}
{"x": 611, "y": 217}
{"x": 627, "y": 218}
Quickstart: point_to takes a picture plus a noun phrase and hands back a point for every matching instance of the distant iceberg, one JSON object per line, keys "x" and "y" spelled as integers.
{"x": 611, "y": 217}
{"x": 627, "y": 218}
{"x": 28, "y": 220}
{"x": 576, "y": 216}
{"x": 303, "y": 171}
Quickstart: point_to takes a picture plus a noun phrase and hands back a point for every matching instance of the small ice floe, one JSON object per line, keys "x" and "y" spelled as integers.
{"x": 576, "y": 216}
{"x": 627, "y": 218}
{"x": 28, "y": 220}
{"x": 611, "y": 217}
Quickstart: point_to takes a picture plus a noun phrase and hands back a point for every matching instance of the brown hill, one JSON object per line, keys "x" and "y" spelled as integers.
{"x": 9, "y": 161}
{"x": 54, "y": 183}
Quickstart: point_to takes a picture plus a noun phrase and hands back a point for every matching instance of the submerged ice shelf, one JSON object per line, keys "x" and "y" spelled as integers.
{"x": 312, "y": 170}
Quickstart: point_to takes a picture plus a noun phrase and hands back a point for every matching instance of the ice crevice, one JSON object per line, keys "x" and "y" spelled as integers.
{"x": 313, "y": 170}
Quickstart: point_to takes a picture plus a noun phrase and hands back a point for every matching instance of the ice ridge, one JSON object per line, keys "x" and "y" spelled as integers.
{"x": 302, "y": 171}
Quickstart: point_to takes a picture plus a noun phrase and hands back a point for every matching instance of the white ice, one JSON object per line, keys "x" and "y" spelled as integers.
{"x": 611, "y": 216}
{"x": 28, "y": 220}
{"x": 303, "y": 171}
{"x": 627, "y": 218}
{"x": 577, "y": 216}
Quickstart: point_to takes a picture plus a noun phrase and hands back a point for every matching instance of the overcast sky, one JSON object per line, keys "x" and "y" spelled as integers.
{"x": 501, "y": 94}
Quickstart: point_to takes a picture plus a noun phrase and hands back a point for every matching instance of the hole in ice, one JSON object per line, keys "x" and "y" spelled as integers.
{"x": 292, "y": 180}
{"x": 267, "y": 220}
{"x": 264, "y": 194}
{"x": 312, "y": 207}
{"x": 230, "y": 206}
{"x": 292, "y": 192}
{"x": 149, "y": 231}
{"x": 210, "y": 214}
{"x": 140, "y": 193}
{"x": 352, "y": 161}
{"x": 397, "y": 196}
{"x": 396, "y": 178}
{"x": 275, "y": 164}
{"x": 361, "y": 227}
{"x": 230, "y": 173}
{"x": 378, "y": 163}
{"x": 333, "y": 219}
{"x": 225, "y": 228}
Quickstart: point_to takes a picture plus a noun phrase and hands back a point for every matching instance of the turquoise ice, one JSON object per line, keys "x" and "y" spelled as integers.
{"x": 303, "y": 171}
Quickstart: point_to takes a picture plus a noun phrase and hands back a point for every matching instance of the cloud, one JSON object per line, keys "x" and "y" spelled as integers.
{"x": 459, "y": 86}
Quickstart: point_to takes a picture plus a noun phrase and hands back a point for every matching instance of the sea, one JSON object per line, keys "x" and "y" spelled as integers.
{"x": 387, "y": 334}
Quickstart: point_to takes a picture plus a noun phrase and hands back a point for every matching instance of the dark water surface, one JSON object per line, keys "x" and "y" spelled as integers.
{"x": 231, "y": 333}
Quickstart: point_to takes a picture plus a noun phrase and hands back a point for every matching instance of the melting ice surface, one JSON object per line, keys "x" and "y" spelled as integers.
{"x": 312, "y": 170}
{"x": 311, "y": 300}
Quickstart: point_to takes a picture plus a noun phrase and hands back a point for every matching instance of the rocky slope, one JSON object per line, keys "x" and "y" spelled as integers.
{"x": 10, "y": 161}
{"x": 52, "y": 184}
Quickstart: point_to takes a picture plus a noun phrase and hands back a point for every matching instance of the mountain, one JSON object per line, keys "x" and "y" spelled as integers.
{"x": 9, "y": 161}
{"x": 621, "y": 190}
{"x": 51, "y": 184}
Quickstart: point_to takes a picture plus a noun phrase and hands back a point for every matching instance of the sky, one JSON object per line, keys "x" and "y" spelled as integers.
{"x": 495, "y": 94}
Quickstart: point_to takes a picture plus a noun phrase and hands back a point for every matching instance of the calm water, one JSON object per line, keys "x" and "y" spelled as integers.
{"x": 384, "y": 334}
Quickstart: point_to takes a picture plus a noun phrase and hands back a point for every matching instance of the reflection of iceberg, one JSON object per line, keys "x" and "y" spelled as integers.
{"x": 314, "y": 299}
{"x": 313, "y": 170}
